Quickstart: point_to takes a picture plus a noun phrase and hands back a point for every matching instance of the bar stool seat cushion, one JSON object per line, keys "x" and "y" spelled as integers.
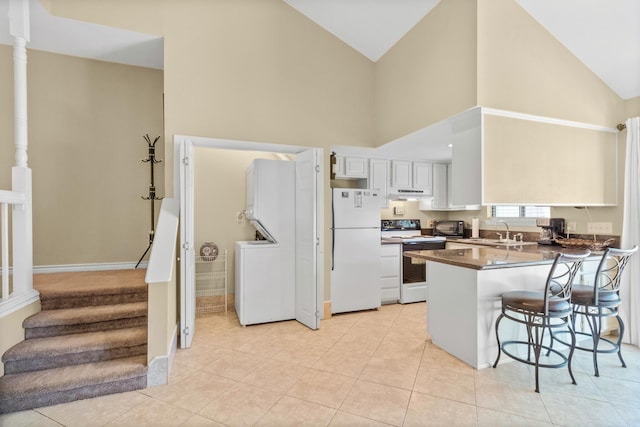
{"x": 532, "y": 301}
{"x": 583, "y": 295}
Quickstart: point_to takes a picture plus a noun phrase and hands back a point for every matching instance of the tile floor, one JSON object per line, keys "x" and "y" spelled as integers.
{"x": 371, "y": 368}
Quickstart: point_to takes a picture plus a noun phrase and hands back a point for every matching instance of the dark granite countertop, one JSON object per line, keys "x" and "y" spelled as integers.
{"x": 486, "y": 258}
{"x": 390, "y": 242}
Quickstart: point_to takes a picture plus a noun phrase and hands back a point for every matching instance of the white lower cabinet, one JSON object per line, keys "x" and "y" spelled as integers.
{"x": 390, "y": 272}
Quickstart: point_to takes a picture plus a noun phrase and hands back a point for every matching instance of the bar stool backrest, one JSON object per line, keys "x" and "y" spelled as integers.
{"x": 560, "y": 280}
{"x": 609, "y": 272}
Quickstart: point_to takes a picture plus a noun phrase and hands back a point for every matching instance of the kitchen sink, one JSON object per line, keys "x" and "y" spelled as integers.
{"x": 494, "y": 242}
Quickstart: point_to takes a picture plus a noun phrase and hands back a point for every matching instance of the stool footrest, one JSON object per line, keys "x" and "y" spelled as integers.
{"x": 545, "y": 348}
{"x": 612, "y": 349}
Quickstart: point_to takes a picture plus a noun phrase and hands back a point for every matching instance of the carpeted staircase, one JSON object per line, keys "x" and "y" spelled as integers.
{"x": 90, "y": 339}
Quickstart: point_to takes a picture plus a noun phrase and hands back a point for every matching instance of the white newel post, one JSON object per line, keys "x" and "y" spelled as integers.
{"x": 20, "y": 173}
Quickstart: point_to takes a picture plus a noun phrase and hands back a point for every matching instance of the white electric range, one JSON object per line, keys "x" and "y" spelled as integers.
{"x": 414, "y": 272}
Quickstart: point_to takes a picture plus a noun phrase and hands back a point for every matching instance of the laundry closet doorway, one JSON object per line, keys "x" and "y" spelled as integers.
{"x": 188, "y": 151}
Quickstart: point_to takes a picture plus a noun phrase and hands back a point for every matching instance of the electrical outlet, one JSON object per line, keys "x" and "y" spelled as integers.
{"x": 599, "y": 228}
{"x": 240, "y": 217}
{"x": 571, "y": 226}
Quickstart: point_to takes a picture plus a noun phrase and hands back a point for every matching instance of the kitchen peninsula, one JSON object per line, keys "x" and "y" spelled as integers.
{"x": 464, "y": 287}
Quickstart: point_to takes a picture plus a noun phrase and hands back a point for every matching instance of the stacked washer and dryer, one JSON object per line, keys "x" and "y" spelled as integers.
{"x": 265, "y": 269}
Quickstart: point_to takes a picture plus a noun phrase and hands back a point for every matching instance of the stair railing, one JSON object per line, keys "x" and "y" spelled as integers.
{"x": 7, "y": 198}
{"x": 18, "y": 292}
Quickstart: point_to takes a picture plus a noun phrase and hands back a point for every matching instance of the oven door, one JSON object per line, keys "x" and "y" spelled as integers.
{"x": 414, "y": 269}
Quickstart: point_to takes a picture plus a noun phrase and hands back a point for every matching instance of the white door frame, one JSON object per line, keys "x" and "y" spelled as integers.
{"x": 185, "y": 144}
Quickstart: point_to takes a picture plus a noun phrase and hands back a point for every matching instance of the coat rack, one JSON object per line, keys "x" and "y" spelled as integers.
{"x": 151, "y": 159}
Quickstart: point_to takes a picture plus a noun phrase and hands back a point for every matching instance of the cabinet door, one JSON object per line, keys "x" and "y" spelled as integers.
{"x": 401, "y": 174}
{"x": 450, "y": 197}
{"x": 350, "y": 167}
{"x": 390, "y": 272}
{"x": 379, "y": 178}
{"x": 466, "y": 160}
{"x": 422, "y": 177}
{"x": 440, "y": 195}
{"x": 355, "y": 167}
{"x": 339, "y": 167}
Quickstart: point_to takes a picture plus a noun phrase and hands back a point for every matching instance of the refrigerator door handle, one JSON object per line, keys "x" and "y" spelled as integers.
{"x": 333, "y": 233}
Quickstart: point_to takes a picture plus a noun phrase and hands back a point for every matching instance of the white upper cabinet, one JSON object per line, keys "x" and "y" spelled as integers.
{"x": 379, "y": 178}
{"x": 450, "y": 198}
{"x": 411, "y": 177}
{"x": 443, "y": 190}
{"x": 401, "y": 174}
{"x": 440, "y": 195}
{"x": 351, "y": 167}
{"x": 466, "y": 161}
{"x": 423, "y": 177}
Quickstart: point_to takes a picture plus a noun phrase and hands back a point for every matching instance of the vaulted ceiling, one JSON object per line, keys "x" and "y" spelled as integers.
{"x": 603, "y": 34}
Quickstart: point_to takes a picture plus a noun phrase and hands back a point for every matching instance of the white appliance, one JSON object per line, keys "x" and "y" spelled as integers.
{"x": 414, "y": 271}
{"x": 355, "y": 254}
{"x": 265, "y": 269}
{"x": 271, "y": 190}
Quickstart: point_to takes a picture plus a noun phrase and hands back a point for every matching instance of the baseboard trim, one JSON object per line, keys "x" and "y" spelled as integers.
{"x": 70, "y": 268}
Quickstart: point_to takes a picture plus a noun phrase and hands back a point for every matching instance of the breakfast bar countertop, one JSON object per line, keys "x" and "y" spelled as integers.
{"x": 486, "y": 258}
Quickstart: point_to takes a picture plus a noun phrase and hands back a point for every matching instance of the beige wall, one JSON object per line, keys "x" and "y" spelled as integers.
{"x": 259, "y": 70}
{"x": 522, "y": 67}
{"x": 86, "y": 121}
{"x": 254, "y": 70}
{"x": 219, "y": 194}
{"x": 430, "y": 74}
{"x": 11, "y": 330}
{"x": 162, "y": 318}
{"x": 412, "y": 211}
{"x": 632, "y": 107}
{"x": 264, "y": 73}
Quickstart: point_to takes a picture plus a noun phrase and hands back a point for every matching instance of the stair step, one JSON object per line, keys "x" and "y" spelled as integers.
{"x": 92, "y": 288}
{"x": 49, "y": 323}
{"x": 22, "y": 391}
{"x": 51, "y": 352}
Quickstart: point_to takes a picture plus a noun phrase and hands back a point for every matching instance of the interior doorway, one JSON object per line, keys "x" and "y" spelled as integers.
{"x": 309, "y": 224}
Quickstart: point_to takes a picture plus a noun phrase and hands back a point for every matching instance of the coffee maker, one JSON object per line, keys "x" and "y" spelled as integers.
{"x": 552, "y": 228}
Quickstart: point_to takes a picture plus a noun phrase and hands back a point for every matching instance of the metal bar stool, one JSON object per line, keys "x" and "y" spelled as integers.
{"x": 539, "y": 311}
{"x": 600, "y": 301}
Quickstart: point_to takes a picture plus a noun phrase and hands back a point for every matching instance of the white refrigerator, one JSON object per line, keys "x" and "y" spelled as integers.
{"x": 355, "y": 251}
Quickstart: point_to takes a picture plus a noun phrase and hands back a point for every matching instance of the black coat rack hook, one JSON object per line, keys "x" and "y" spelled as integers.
{"x": 151, "y": 195}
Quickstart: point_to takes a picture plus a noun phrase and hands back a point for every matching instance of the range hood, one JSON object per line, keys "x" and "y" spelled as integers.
{"x": 408, "y": 194}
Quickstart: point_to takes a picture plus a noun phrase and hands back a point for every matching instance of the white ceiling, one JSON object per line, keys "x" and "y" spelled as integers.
{"x": 371, "y": 27}
{"x": 86, "y": 40}
{"x": 603, "y": 34}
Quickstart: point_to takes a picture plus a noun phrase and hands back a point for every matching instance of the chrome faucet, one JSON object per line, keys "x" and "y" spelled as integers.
{"x": 506, "y": 225}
